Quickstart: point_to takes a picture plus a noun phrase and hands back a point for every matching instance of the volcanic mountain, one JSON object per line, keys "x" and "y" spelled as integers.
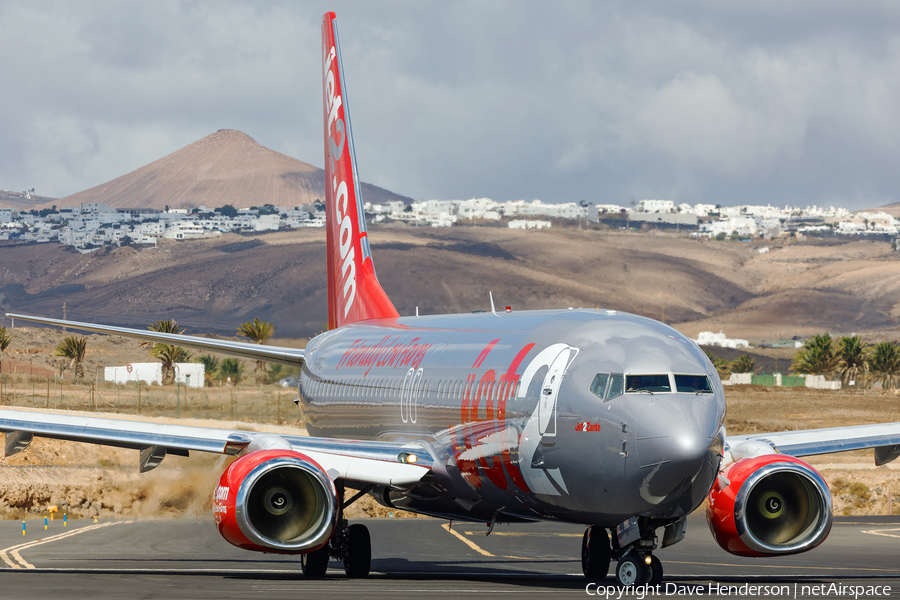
{"x": 227, "y": 167}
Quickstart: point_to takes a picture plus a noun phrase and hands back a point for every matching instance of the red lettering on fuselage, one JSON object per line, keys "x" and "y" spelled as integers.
{"x": 474, "y": 428}
{"x": 388, "y": 352}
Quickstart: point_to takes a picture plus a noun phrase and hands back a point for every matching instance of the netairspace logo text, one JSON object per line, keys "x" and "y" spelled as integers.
{"x": 747, "y": 590}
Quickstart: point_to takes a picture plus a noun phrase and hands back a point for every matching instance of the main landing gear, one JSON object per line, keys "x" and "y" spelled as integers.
{"x": 636, "y": 563}
{"x": 350, "y": 544}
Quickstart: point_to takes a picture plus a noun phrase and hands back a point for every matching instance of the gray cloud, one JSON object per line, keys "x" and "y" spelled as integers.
{"x": 692, "y": 101}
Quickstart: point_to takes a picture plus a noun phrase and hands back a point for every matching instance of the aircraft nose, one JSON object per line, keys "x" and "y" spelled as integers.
{"x": 680, "y": 451}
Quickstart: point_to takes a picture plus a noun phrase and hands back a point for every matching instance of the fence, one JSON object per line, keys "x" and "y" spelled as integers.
{"x": 245, "y": 402}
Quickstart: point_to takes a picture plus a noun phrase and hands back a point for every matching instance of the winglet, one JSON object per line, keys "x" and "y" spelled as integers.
{"x": 354, "y": 293}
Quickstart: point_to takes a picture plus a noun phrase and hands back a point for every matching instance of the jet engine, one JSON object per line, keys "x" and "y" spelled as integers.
{"x": 276, "y": 501}
{"x": 768, "y": 505}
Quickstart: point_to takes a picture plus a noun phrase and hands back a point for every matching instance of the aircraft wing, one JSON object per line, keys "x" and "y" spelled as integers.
{"x": 883, "y": 437}
{"x": 365, "y": 462}
{"x": 292, "y": 357}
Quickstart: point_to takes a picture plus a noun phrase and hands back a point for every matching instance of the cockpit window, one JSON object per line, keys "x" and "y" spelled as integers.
{"x": 598, "y": 386}
{"x": 615, "y": 386}
{"x": 647, "y": 383}
{"x": 607, "y": 386}
{"x": 696, "y": 384}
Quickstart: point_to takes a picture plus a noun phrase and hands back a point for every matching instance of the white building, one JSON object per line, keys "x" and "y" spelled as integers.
{"x": 188, "y": 374}
{"x": 656, "y": 206}
{"x": 183, "y": 230}
{"x": 529, "y": 224}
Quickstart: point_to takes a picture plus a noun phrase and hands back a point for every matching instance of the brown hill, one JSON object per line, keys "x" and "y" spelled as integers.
{"x": 891, "y": 209}
{"x": 213, "y": 285}
{"x": 227, "y": 167}
{"x": 21, "y": 201}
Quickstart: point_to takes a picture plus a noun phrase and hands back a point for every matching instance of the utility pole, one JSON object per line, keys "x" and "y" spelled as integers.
{"x": 64, "y": 315}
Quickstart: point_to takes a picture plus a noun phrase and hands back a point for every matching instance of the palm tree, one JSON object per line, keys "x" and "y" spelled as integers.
{"x": 259, "y": 332}
{"x": 819, "y": 356}
{"x": 854, "y": 360}
{"x": 5, "y": 340}
{"x": 721, "y": 365}
{"x": 210, "y": 364}
{"x": 884, "y": 364}
{"x": 232, "y": 368}
{"x": 167, "y": 354}
{"x": 743, "y": 364}
{"x": 73, "y": 348}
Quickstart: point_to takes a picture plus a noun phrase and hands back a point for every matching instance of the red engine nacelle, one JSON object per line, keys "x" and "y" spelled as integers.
{"x": 768, "y": 505}
{"x": 276, "y": 501}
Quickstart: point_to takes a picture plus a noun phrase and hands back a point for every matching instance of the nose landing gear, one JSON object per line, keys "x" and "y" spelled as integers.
{"x": 636, "y": 563}
{"x": 634, "y": 569}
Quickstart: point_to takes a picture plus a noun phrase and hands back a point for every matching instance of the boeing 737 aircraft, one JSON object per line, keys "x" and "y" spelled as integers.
{"x": 597, "y": 417}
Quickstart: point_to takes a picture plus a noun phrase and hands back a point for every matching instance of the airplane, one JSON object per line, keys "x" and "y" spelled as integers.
{"x": 588, "y": 416}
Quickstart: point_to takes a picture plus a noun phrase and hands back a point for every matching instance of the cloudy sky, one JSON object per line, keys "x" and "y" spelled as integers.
{"x": 705, "y": 101}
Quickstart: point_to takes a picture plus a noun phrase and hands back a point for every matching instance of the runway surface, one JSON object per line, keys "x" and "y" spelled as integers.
{"x": 416, "y": 558}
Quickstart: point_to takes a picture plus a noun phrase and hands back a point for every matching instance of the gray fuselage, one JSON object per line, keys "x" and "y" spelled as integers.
{"x": 527, "y": 412}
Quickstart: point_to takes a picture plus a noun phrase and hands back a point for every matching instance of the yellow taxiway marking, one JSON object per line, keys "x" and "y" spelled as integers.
{"x": 17, "y": 562}
{"x": 894, "y": 533}
{"x": 466, "y": 541}
{"x": 475, "y": 546}
{"x": 522, "y": 533}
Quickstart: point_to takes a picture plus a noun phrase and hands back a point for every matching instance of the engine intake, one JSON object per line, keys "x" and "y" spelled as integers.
{"x": 769, "y": 505}
{"x": 276, "y": 500}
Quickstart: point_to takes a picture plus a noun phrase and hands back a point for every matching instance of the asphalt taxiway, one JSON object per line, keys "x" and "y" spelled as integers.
{"x": 415, "y": 558}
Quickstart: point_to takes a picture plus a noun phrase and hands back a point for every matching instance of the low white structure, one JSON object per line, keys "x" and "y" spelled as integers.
{"x": 820, "y": 383}
{"x": 528, "y": 224}
{"x": 708, "y": 338}
{"x": 739, "y": 379}
{"x": 188, "y": 374}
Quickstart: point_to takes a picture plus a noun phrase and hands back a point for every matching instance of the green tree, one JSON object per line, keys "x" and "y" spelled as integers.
{"x": 884, "y": 364}
{"x": 5, "y": 340}
{"x": 854, "y": 364}
{"x": 232, "y": 368}
{"x": 819, "y": 356}
{"x": 743, "y": 364}
{"x": 259, "y": 332}
{"x": 168, "y": 354}
{"x": 227, "y": 211}
{"x": 721, "y": 365}
{"x": 210, "y": 366}
{"x": 74, "y": 349}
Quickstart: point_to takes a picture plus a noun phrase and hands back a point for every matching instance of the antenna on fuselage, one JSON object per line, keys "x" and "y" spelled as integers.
{"x": 493, "y": 311}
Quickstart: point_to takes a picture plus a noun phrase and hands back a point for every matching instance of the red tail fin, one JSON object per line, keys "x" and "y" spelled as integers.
{"x": 354, "y": 293}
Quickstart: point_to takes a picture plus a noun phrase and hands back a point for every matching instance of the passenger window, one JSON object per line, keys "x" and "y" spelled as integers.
{"x": 598, "y": 386}
{"x": 647, "y": 383}
{"x": 615, "y": 386}
{"x": 695, "y": 384}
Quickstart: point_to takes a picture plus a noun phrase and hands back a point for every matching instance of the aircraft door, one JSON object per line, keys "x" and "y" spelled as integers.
{"x": 549, "y": 392}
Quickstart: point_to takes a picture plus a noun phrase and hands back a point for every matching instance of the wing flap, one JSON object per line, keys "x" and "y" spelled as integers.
{"x": 811, "y": 442}
{"x": 292, "y": 357}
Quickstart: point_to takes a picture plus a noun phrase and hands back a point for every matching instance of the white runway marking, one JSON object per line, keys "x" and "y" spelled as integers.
{"x": 12, "y": 557}
{"x": 894, "y": 533}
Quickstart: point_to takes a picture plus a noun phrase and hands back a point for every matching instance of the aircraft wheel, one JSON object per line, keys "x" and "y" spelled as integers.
{"x": 655, "y": 571}
{"x": 359, "y": 551}
{"x": 315, "y": 563}
{"x": 631, "y": 570}
{"x": 595, "y": 553}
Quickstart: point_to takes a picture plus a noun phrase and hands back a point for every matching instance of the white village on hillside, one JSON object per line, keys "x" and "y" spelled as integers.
{"x": 90, "y": 226}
